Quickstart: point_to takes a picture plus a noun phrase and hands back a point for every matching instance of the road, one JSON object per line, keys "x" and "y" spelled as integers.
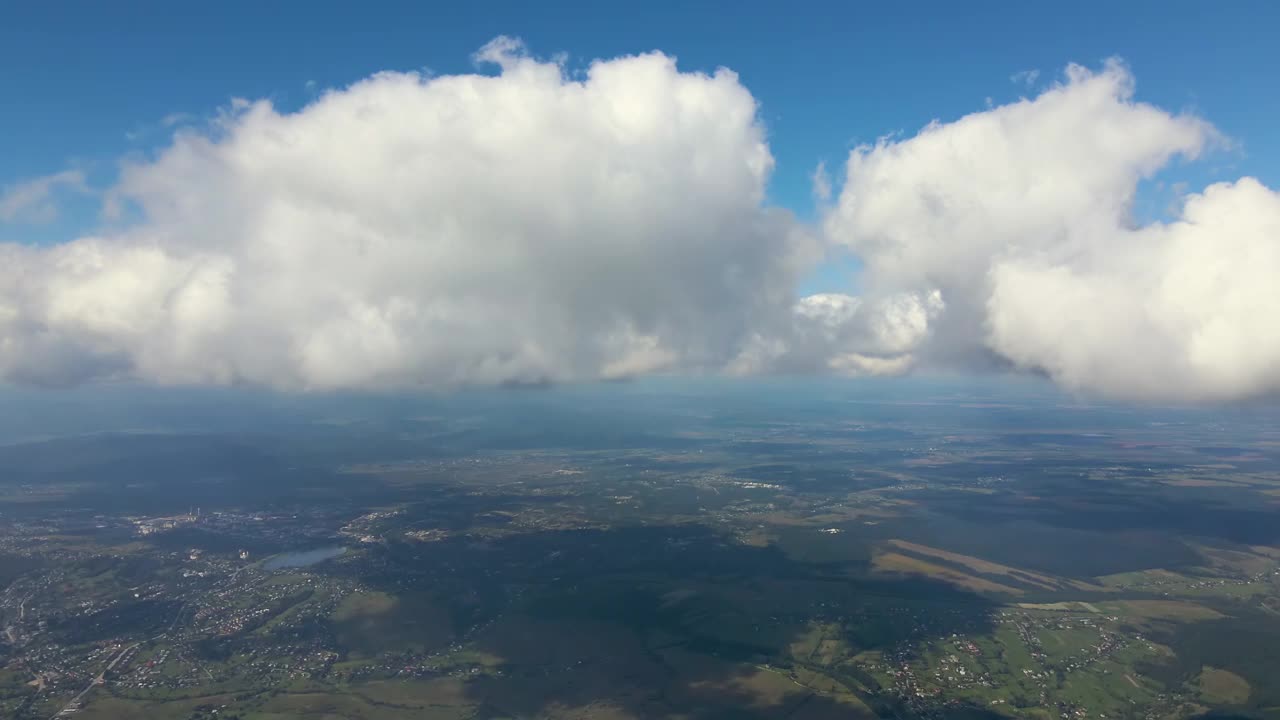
{"x": 99, "y": 680}
{"x": 102, "y": 677}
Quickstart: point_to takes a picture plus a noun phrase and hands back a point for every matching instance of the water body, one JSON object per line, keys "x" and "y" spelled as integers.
{"x": 303, "y": 558}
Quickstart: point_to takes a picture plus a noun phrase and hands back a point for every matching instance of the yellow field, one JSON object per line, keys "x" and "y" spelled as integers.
{"x": 1198, "y": 482}
{"x": 1243, "y": 562}
{"x": 977, "y": 564}
{"x": 1223, "y": 688}
{"x": 1040, "y": 580}
{"x": 1143, "y": 577}
{"x": 1161, "y": 610}
{"x": 1179, "y": 610}
{"x": 897, "y": 563}
{"x": 1061, "y": 607}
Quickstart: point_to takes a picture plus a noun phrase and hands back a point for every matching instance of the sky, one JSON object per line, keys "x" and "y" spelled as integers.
{"x": 128, "y": 134}
{"x": 88, "y": 83}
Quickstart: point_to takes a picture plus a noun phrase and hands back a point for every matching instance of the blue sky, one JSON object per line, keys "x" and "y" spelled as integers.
{"x": 86, "y": 83}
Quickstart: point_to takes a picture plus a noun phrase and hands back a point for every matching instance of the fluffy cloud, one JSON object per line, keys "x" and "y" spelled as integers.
{"x": 1019, "y": 217}
{"x": 537, "y": 225}
{"x": 474, "y": 229}
{"x": 845, "y": 335}
{"x": 1188, "y": 310}
{"x": 33, "y": 201}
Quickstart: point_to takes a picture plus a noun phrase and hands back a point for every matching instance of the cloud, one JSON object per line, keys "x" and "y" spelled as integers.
{"x": 835, "y": 333}
{"x": 863, "y": 336}
{"x": 526, "y": 225}
{"x": 518, "y": 227}
{"x": 1025, "y": 77}
{"x": 821, "y": 181}
{"x": 34, "y": 201}
{"x": 1019, "y": 218}
{"x": 1185, "y": 310}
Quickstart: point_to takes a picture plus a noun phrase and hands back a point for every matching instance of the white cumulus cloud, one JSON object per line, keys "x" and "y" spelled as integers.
{"x": 536, "y": 225}
{"x": 525, "y": 226}
{"x": 33, "y": 201}
{"x": 1025, "y": 77}
{"x": 1188, "y": 310}
{"x": 1019, "y": 217}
